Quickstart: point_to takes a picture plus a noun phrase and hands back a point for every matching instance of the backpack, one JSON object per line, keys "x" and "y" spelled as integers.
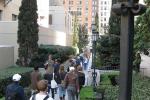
{"x": 33, "y": 97}
{"x": 12, "y": 95}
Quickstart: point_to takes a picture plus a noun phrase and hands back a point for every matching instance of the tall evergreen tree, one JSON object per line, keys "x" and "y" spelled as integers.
{"x": 83, "y": 37}
{"x": 109, "y": 45}
{"x": 27, "y": 31}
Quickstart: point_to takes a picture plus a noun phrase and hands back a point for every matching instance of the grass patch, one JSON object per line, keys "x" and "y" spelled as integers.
{"x": 86, "y": 92}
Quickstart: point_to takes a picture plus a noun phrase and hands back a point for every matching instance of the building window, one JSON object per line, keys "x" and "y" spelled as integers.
{"x": 104, "y": 19}
{"x": 50, "y": 19}
{"x": 105, "y": 2}
{"x": 101, "y": 13}
{"x": 101, "y": 2}
{"x": 80, "y": 2}
{"x": 71, "y": 2}
{"x": 14, "y": 17}
{"x": 101, "y": 24}
{"x": 0, "y": 14}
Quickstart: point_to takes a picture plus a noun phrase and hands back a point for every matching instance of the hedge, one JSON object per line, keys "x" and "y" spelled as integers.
{"x": 140, "y": 89}
{"x": 6, "y": 77}
{"x": 58, "y": 52}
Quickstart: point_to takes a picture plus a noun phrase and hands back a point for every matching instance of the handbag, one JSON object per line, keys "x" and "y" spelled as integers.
{"x": 53, "y": 82}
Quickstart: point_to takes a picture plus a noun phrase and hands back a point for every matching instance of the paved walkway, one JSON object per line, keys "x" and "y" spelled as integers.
{"x": 88, "y": 76}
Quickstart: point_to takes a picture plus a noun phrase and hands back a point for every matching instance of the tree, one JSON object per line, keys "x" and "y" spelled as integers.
{"x": 97, "y": 22}
{"x": 27, "y": 31}
{"x": 83, "y": 37}
{"x": 75, "y": 32}
{"x": 109, "y": 45}
{"x": 142, "y": 31}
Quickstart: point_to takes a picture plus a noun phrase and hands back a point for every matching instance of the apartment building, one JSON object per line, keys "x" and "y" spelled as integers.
{"x": 104, "y": 15}
{"x": 9, "y": 10}
{"x": 85, "y": 11}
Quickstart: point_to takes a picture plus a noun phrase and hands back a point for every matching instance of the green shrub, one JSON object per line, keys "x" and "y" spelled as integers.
{"x": 140, "y": 89}
{"x": 57, "y": 52}
{"x": 86, "y": 92}
{"x": 106, "y": 78}
{"x": 6, "y": 77}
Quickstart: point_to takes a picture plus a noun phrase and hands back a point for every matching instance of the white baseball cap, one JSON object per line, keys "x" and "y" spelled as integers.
{"x": 71, "y": 68}
{"x": 16, "y": 77}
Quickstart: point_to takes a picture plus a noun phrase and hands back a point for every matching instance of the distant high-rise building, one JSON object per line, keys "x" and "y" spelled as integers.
{"x": 104, "y": 15}
{"x": 85, "y": 10}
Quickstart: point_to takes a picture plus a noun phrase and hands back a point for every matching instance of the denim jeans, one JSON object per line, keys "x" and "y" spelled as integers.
{"x": 71, "y": 90}
{"x": 62, "y": 90}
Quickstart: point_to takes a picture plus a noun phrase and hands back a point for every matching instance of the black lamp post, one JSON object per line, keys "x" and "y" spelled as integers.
{"x": 95, "y": 36}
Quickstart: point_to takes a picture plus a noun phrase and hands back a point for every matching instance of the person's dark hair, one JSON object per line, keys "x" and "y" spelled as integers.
{"x": 36, "y": 68}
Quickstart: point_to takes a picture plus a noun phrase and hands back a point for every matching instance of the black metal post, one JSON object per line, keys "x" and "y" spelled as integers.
{"x": 127, "y": 9}
{"x": 93, "y": 64}
{"x": 126, "y": 48}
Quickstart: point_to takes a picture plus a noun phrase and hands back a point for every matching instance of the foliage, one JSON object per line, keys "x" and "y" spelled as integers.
{"x": 106, "y": 77}
{"x": 108, "y": 45}
{"x": 97, "y": 22}
{"x": 86, "y": 92}
{"x": 27, "y": 31}
{"x": 83, "y": 37}
{"x": 142, "y": 31}
{"x": 107, "y": 51}
{"x": 140, "y": 89}
{"x": 58, "y": 52}
{"x": 6, "y": 77}
{"x": 75, "y": 39}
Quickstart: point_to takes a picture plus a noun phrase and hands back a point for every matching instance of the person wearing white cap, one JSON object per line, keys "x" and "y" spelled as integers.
{"x": 71, "y": 83}
{"x": 14, "y": 91}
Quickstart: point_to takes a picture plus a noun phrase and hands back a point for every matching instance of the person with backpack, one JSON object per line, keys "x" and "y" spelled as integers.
{"x": 14, "y": 91}
{"x": 42, "y": 94}
{"x": 61, "y": 75}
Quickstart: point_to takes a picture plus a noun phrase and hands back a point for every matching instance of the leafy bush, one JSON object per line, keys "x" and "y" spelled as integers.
{"x": 86, "y": 92}
{"x": 57, "y": 52}
{"x": 107, "y": 78}
{"x": 6, "y": 77}
{"x": 140, "y": 89}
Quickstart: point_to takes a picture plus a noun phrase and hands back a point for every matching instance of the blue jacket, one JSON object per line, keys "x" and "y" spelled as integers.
{"x": 15, "y": 87}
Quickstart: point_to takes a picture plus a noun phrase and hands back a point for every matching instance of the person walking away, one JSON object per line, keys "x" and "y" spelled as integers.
{"x": 72, "y": 84}
{"x": 138, "y": 62}
{"x": 49, "y": 64}
{"x": 49, "y": 77}
{"x": 61, "y": 87}
{"x": 56, "y": 65}
{"x": 14, "y": 91}
{"x": 81, "y": 77}
{"x": 35, "y": 77}
{"x": 42, "y": 86}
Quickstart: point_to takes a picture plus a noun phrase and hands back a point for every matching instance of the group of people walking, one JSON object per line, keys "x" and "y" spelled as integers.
{"x": 55, "y": 79}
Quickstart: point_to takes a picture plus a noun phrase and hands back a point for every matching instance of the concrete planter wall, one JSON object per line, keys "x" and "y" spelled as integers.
{"x": 6, "y": 56}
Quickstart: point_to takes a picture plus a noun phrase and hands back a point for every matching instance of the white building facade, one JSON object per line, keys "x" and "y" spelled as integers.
{"x": 104, "y": 15}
